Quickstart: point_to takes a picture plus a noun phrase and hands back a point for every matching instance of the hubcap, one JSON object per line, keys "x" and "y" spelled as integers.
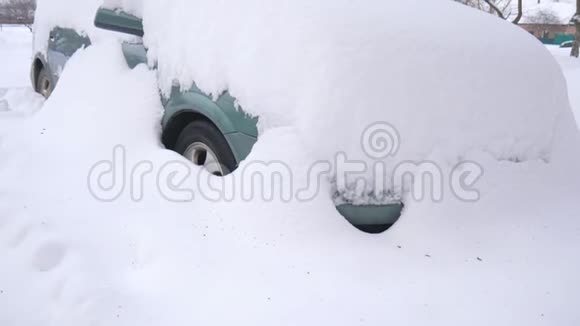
{"x": 201, "y": 155}
{"x": 45, "y": 87}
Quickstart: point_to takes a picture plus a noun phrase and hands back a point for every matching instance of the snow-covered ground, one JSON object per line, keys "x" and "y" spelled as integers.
{"x": 571, "y": 68}
{"x": 15, "y": 48}
{"x": 17, "y": 100}
{"x": 68, "y": 259}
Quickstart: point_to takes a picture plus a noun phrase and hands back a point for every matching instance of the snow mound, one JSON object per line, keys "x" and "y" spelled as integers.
{"x": 57, "y": 13}
{"x": 571, "y": 68}
{"x": 134, "y": 7}
{"x": 75, "y": 260}
{"x": 334, "y": 68}
{"x": 15, "y": 43}
{"x": 53, "y": 13}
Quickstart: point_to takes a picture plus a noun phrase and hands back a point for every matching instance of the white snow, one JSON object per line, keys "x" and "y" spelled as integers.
{"x": 510, "y": 258}
{"x": 134, "y": 7}
{"x": 57, "y": 13}
{"x": 330, "y": 66}
{"x": 14, "y": 47}
{"x": 52, "y": 13}
{"x": 17, "y": 100}
{"x": 571, "y": 68}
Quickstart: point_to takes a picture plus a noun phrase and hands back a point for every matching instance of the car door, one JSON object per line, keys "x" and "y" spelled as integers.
{"x": 62, "y": 44}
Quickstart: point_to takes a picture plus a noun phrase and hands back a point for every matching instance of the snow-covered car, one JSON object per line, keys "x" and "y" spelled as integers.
{"x": 333, "y": 77}
{"x": 567, "y": 44}
{"x": 457, "y": 85}
{"x": 212, "y": 134}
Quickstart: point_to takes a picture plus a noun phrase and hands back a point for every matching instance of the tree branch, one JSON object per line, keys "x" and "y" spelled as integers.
{"x": 520, "y": 12}
{"x": 495, "y": 8}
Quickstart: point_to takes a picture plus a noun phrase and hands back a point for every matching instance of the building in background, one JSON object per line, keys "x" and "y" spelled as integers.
{"x": 551, "y": 21}
{"x": 551, "y": 33}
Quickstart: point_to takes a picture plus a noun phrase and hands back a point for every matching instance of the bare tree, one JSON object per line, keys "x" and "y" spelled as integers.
{"x": 576, "y": 20}
{"x": 501, "y": 8}
{"x": 544, "y": 17}
{"x": 520, "y": 12}
{"x": 21, "y": 12}
{"x": 494, "y": 7}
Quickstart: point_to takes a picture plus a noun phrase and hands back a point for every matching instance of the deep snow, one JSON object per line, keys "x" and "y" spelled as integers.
{"x": 16, "y": 52}
{"x": 17, "y": 100}
{"x": 56, "y": 13}
{"x": 509, "y": 259}
{"x": 324, "y": 67}
{"x": 571, "y": 69}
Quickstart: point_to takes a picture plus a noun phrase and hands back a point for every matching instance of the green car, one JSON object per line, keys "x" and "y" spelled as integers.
{"x": 214, "y": 134}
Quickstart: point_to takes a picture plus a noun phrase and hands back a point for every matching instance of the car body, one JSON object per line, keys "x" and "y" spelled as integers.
{"x": 187, "y": 112}
{"x": 181, "y": 108}
{"x": 567, "y": 44}
{"x": 47, "y": 67}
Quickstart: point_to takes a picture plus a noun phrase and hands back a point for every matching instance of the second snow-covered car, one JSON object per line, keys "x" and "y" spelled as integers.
{"x": 212, "y": 134}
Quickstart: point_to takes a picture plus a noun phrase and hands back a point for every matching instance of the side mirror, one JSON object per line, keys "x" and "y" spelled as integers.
{"x": 119, "y": 21}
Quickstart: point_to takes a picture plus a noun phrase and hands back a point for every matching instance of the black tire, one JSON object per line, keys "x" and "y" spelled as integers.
{"x": 43, "y": 83}
{"x": 204, "y": 132}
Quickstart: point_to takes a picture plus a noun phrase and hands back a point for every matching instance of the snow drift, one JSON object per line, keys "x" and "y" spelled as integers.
{"x": 74, "y": 260}
{"x": 78, "y": 15}
{"x": 333, "y": 68}
{"x": 53, "y": 13}
{"x": 509, "y": 258}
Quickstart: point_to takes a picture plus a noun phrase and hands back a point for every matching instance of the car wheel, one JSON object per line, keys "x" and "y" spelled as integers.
{"x": 43, "y": 83}
{"x": 204, "y": 145}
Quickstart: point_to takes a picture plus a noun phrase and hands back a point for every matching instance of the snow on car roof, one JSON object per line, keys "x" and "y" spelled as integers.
{"x": 332, "y": 68}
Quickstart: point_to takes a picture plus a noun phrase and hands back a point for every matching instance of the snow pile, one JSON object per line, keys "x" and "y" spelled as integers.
{"x": 36, "y": 244}
{"x": 57, "y": 13}
{"x": 16, "y": 105}
{"x": 571, "y": 68}
{"x": 74, "y": 260}
{"x": 134, "y": 7}
{"x": 15, "y": 43}
{"x": 333, "y": 68}
{"x": 53, "y": 13}
{"x": 16, "y": 101}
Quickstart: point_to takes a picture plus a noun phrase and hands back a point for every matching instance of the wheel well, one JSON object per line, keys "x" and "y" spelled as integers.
{"x": 37, "y": 67}
{"x": 177, "y": 123}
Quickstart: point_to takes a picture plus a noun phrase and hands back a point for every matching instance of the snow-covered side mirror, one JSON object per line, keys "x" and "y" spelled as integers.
{"x": 119, "y": 21}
